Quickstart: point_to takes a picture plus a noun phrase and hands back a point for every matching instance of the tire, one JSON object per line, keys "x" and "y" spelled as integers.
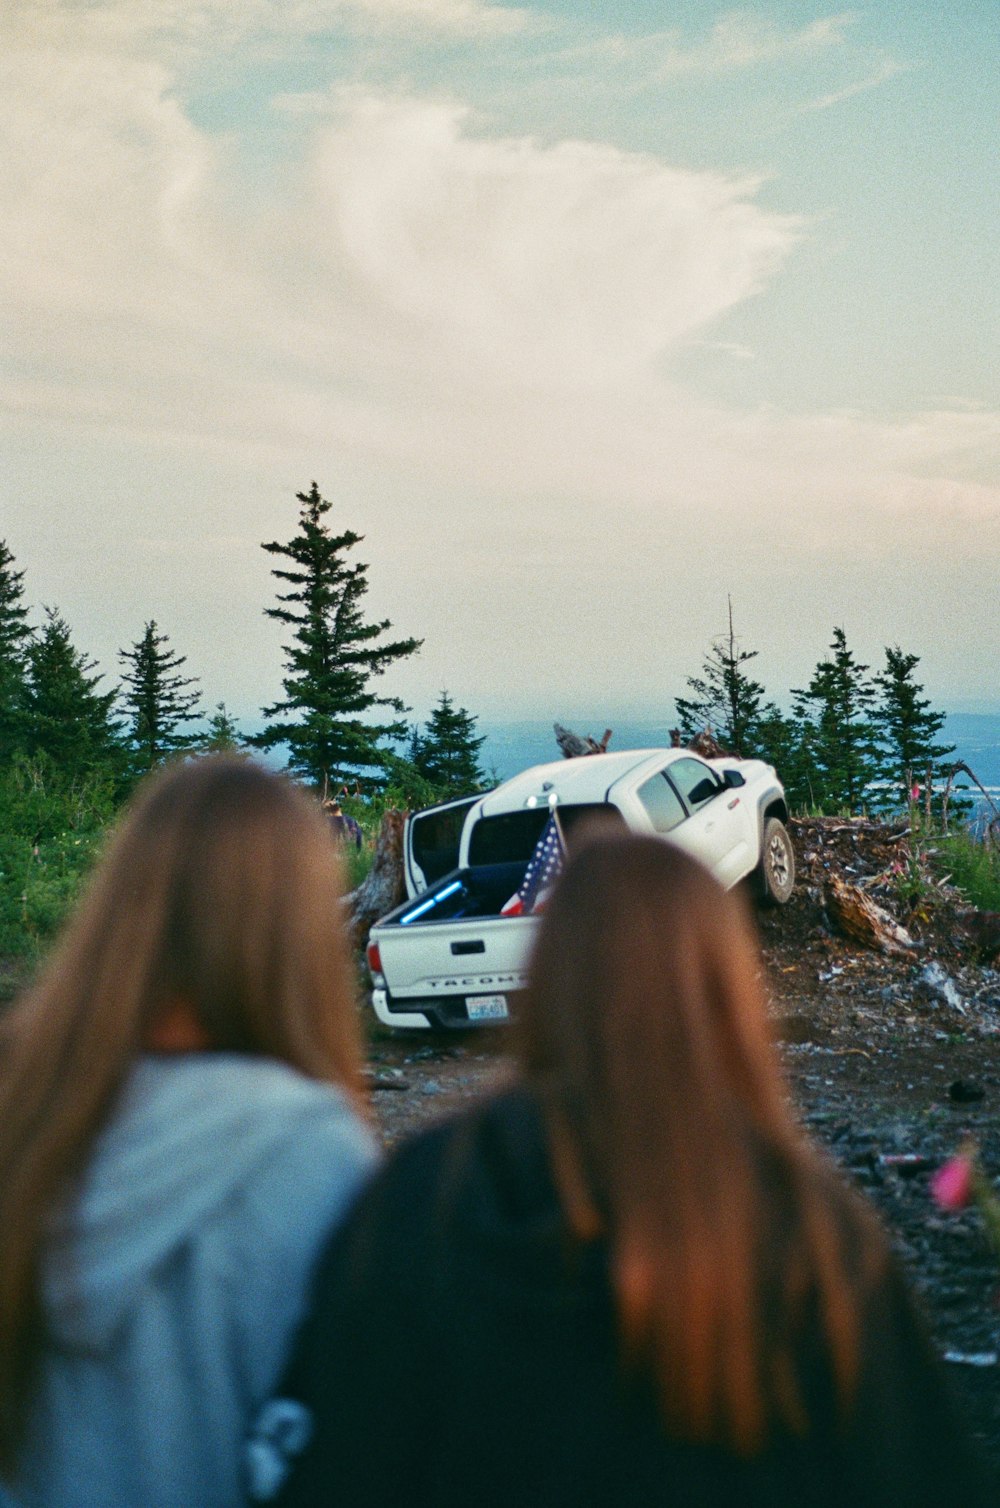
{"x": 776, "y": 871}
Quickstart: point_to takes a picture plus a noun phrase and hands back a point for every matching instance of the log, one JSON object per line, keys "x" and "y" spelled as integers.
{"x": 384, "y": 886}
{"x": 857, "y": 916}
{"x": 575, "y": 747}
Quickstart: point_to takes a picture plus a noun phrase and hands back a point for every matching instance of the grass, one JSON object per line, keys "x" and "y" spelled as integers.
{"x": 973, "y": 867}
{"x": 50, "y": 835}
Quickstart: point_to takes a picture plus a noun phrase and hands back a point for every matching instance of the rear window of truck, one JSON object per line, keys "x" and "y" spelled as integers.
{"x": 511, "y": 837}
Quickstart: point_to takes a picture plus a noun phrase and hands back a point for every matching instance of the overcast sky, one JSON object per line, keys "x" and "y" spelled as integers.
{"x": 585, "y": 316}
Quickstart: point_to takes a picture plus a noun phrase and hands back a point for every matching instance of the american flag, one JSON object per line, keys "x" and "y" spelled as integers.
{"x": 544, "y": 867}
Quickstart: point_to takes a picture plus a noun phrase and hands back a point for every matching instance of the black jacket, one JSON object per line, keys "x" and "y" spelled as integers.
{"x": 462, "y": 1351}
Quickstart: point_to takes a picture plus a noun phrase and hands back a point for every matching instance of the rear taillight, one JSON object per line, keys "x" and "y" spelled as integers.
{"x": 374, "y": 958}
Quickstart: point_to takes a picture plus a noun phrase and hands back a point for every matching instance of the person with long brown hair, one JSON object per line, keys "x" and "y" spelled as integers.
{"x": 181, "y": 1124}
{"x": 627, "y": 1278}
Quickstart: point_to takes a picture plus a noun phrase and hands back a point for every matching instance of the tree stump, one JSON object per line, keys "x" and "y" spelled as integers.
{"x": 856, "y": 915}
{"x": 575, "y": 747}
{"x": 384, "y": 886}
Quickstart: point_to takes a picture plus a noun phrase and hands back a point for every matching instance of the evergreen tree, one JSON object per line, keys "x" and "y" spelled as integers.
{"x": 15, "y": 637}
{"x": 447, "y": 755}
{"x": 908, "y": 726}
{"x": 326, "y": 716}
{"x": 222, "y": 735}
{"x": 157, "y": 701}
{"x": 69, "y": 722}
{"x": 725, "y": 698}
{"x": 782, "y": 743}
{"x": 839, "y": 738}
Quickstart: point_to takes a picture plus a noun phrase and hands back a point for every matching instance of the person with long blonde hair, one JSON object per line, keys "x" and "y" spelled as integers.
{"x": 627, "y": 1278}
{"x": 181, "y": 1124}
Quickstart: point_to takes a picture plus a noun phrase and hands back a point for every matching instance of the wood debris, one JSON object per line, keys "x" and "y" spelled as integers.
{"x": 856, "y": 915}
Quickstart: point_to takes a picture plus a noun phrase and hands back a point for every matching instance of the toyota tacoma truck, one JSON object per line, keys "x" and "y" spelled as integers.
{"x": 449, "y": 957}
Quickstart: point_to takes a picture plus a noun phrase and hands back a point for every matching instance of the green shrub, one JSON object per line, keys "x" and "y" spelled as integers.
{"x": 51, "y": 831}
{"x": 358, "y": 861}
{"x": 972, "y": 866}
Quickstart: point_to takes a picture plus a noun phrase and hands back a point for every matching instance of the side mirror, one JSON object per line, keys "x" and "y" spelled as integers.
{"x": 732, "y": 779}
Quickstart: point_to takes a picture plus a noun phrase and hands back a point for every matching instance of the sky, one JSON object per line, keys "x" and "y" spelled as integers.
{"x": 588, "y": 318}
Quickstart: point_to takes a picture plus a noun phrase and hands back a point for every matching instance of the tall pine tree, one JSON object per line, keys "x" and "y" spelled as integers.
{"x": 908, "y": 726}
{"x": 15, "y": 637}
{"x": 725, "y": 698}
{"x": 157, "y": 701}
{"x": 328, "y": 715}
{"x": 69, "y": 722}
{"x": 839, "y": 736}
{"x": 447, "y": 753}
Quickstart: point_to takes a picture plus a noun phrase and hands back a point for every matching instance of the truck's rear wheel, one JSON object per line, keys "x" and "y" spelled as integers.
{"x": 776, "y": 872}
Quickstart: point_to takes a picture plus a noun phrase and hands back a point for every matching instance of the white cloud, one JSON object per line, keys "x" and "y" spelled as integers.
{"x": 736, "y": 40}
{"x": 571, "y": 264}
{"x": 408, "y": 244}
{"x": 484, "y": 323}
{"x": 220, "y": 24}
{"x": 448, "y": 302}
{"x": 103, "y": 171}
{"x": 888, "y": 69}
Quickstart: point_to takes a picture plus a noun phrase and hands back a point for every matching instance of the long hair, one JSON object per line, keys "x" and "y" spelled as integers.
{"x": 221, "y": 890}
{"x": 644, "y": 1032}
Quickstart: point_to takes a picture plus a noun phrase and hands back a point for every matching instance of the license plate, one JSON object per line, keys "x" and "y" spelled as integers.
{"x": 487, "y": 1007}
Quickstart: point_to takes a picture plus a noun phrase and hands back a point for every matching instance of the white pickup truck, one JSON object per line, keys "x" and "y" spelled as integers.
{"x": 448, "y": 958}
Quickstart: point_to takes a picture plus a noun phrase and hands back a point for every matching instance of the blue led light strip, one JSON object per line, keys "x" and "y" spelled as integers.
{"x": 429, "y": 905}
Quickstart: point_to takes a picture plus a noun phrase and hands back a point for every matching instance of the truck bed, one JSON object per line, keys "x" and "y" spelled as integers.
{"x": 469, "y": 970}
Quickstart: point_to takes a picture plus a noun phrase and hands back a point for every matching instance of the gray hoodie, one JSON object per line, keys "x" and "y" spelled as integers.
{"x": 174, "y": 1281}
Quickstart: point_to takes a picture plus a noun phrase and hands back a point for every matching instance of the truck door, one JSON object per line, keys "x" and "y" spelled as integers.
{"x": 432, "y": 839}
{"x": 717, "y": 830}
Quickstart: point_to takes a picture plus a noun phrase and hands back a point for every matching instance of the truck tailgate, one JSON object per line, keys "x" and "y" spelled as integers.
{"x": 465, "y": 967}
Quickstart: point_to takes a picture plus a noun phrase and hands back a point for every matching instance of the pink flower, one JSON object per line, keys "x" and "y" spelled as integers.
{"x": 953, "y": 1184}
{"x": 915, "y": 793}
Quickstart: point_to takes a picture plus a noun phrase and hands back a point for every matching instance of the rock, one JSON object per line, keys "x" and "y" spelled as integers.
{"x": 934, "y": 984}
{"x": 385, "y": 1082}
{"x": 965, "y": 1092}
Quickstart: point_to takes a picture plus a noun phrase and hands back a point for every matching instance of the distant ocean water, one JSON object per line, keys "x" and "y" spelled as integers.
{"x": 513, "y": 746}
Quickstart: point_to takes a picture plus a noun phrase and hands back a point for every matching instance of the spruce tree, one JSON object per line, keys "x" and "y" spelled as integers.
{"x": 222, "y": 736}
{"x": 725, "y": 698}
{"x": 447, "y": 754}
{"x": 782, "y": 743}
{"x": 157, "y": 701}
{"x": 69, "y": 722}
{"x": 839, "y": 736}
{"x": 15, "y": 636}
{"x": 328, "y": 715}
{"x": 908, "y": 727}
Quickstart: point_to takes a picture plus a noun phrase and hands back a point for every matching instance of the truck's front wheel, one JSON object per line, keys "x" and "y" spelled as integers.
{"x": 776, "y": 871}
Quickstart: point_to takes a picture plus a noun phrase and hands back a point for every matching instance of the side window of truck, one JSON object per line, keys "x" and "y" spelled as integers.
{"x": 662, "y": 803}
{"x": 695, "y": 781}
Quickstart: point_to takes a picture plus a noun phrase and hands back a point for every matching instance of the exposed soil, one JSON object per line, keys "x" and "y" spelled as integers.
{"x": 891, "y": 1069}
